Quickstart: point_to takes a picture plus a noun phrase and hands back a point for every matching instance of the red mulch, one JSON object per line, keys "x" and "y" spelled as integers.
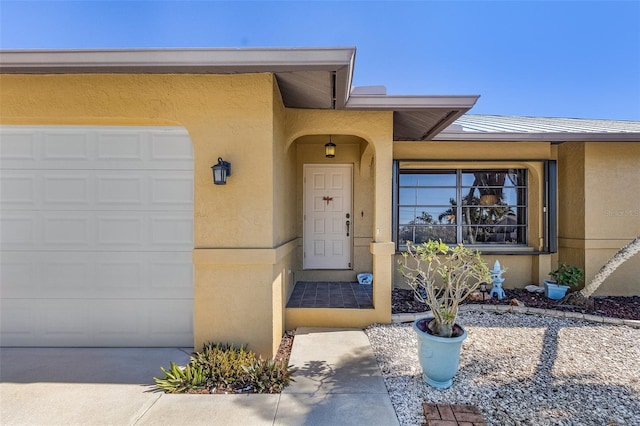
{"x": 284, "y": 351}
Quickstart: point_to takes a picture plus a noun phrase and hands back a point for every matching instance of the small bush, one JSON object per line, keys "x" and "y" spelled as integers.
{"x": 182, "y": 380}
{"x": 269, "y": 376}
{"x": 219, "y": 368}
{"x": 223, "y": 364}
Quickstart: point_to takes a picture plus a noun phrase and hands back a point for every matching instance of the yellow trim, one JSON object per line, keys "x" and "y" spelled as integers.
{"x": 382, "y": 248}
{"x": 240, "y": 256}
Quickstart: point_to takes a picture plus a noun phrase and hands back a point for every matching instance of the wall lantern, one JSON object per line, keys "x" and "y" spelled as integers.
{"x": 221, "y": 171}
{"x": 330, "y": 149}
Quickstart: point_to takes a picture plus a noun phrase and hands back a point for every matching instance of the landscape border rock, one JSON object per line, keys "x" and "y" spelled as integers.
{"x": 410, "y": 317}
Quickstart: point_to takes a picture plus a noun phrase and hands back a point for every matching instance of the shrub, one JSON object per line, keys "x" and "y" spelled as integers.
{"x": 269, "y": 376}
{"x": 182, "y": 380}
{"x": 442, "y": 277}
{"x": 226, "y": 368}
{"x": 223, "y": 364}
{"x": 566, "y": 274}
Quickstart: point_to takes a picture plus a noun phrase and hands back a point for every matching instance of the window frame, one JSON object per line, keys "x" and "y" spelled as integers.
{"x": 547, "y": 213}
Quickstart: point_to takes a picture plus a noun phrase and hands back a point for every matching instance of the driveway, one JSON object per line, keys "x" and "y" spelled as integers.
{"x": 80, "y": 385}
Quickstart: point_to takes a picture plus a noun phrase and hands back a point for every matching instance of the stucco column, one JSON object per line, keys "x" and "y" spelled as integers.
{"x": 541, "y": 266}
{"x": 383, "y": 248}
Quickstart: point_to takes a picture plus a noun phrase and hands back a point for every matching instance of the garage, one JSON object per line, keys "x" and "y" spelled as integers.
{"x": 96, "y": 235}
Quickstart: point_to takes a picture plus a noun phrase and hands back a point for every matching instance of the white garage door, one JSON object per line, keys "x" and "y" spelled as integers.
{"x": 96, "y": 236}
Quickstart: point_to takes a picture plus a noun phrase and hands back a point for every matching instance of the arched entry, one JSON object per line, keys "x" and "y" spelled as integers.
{"x": 335, "y": 208}
{"x": 363, "y": 140}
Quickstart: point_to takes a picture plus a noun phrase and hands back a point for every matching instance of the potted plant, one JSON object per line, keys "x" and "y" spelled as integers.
{"x": 441, "y": 277}
{"x": 564, "y": 277}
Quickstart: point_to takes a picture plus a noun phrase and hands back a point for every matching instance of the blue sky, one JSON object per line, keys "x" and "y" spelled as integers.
{"x": 535, "y": 58}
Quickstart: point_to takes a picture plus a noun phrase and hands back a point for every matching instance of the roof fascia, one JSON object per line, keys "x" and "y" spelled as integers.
{"x": 443, "y": 124}
{"x": 410, "y": 103}
{"x": 554, "y": 138}
{"x": 178, "y": 60}
{"x": 343, "y": 82}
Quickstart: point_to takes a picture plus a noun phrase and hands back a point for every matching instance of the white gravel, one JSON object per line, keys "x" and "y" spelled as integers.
{"x": 522, "y": 369}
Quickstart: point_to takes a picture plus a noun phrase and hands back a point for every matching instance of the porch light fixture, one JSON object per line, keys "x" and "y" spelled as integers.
{"x": 221, "y": 171}
{"x": 330, "y": 149}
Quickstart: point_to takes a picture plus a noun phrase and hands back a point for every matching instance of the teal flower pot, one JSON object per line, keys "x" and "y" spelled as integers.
{"x": 439, "y": 356}
{"x": 554, "y": 291}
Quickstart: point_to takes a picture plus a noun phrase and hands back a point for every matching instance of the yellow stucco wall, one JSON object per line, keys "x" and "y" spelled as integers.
{"x": 241, "y": 229}
{"x": 284, "y": 223}
{"x": 571, "y": 191}
{"x": 284, "y": 177}
{"x": 245, "y": 232}
{"x": 520, "y": 270}
{"x": 227, "y": 116}
{"x": 571, "y": 204}
{"x": 598, "y": 209}
{"x": 436, "y": 150}
{"x": 612, "y": 180}
{"x": 612, "y": 212}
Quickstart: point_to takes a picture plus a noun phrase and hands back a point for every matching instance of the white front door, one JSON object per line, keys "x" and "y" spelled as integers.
{"x": 328, "y": 223}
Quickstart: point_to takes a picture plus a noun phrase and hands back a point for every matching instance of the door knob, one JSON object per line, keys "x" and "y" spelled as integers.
{"x": 348, "y": 223}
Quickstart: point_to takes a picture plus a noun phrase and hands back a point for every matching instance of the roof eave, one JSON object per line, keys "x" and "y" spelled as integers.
{"x": 176, "y": 60}
{"x": 554, "y": 138}
{"x": 299, "y": 71}
{"x": 410, "y": 103}
{"x": 416, "y": 118}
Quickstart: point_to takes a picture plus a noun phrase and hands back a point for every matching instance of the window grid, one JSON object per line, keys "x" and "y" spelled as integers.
{"x": 489, "y": 210}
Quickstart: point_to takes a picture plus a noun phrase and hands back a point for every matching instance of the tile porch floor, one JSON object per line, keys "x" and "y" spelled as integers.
{"x": 352, "y": 295}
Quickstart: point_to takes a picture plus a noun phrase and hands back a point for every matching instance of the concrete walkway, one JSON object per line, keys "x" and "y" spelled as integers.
{"x": 338, "y": 382}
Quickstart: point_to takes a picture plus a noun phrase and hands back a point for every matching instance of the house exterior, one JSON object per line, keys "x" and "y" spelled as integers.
{"x": 113, "y": 233}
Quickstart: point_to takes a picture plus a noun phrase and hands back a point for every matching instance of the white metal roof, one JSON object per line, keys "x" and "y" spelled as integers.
{"x": 496, "y": 127}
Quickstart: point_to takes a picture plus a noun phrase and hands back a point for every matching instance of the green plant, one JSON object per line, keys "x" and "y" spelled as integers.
{"x": 442, "y": 277}
{"x": 269, "y": 376}
{"x": 181, "y": 380}
{"x": 223, "y": 364}
{"x": 566, "y": 274}
{"x": 226, "y": 368}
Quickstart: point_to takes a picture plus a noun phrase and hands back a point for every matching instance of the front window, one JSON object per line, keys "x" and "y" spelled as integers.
{"x": 470, "y": 206}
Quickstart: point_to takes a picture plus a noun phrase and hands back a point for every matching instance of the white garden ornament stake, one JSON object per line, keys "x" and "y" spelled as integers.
{"x": 497, "y": 280}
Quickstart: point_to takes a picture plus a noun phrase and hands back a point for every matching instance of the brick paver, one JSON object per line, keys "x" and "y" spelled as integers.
{"x": 452, "y": 415}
